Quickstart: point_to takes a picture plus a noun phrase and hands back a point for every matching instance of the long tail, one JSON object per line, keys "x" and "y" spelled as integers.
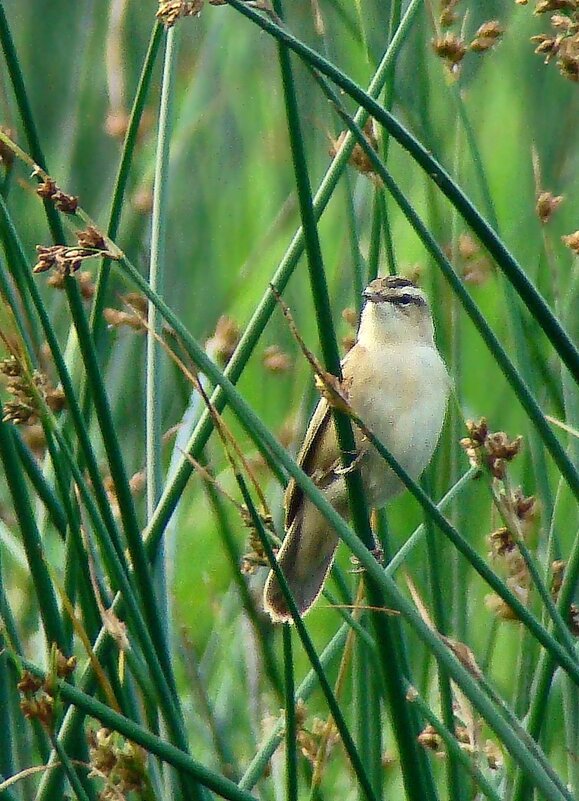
{"x": 305, "y": 557}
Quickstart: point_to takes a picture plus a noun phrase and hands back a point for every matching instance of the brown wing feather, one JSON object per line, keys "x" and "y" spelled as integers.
{"x": 318, "y": 429}
{"x": 320, "y": 444}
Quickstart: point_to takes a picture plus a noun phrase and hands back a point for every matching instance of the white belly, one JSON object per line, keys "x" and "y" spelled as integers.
{"x": 406, "y": 413}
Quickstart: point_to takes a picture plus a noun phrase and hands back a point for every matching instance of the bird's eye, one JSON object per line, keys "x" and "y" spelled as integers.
{"x": 404, "y": 300}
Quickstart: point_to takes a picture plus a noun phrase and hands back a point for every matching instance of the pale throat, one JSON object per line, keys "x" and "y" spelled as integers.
{"x": 381, "y": 325}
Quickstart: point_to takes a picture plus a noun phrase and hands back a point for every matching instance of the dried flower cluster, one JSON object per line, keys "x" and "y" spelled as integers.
{"x": 562, "y": 43}
{"x": 547, "y": 205}
{"x": 276, "y": 360}
{"x": 492, "y": 450}
{"x": 255, "y": 556}
{"x": 136, "y": 316}
{"x": 29, "y": 390}
{"x": 505, "y": 553}
{"x": 137, "y": 483}
{"x": 450, "y": 45}
{"x": 429, "y": 738}
{"x": 221, "y": 346}
{"x": 83, "y": 279}
{"x": 316, "y": 740}
{"x": 67, "y": 260}
{"x": 48, "y": 190}
{"x": 475, "y": 267}
{"x": 38, "y": 695}
{"x": 170, "y": 11}
{"x": 359, "y": 158}
{"x": 557, "y": 575}
{"x": 121, "y": 762}
{"x": 572, "y": 242}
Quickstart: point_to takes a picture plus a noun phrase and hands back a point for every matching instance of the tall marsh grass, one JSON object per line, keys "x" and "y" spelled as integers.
{"x": 168, "y": 171}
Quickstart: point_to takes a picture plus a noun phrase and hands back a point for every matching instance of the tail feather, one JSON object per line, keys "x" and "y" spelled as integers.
{"x": 305, "y": 558}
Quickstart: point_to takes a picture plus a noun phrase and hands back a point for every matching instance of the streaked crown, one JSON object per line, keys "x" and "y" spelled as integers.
{"x": 396, "y": 290}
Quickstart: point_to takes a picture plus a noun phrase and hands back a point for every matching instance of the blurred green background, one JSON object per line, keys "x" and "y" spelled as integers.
{"x": 231, "y": 214}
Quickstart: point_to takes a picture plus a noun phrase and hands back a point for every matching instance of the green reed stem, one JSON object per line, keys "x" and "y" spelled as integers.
{"x": 506, "y": 261}
{"x": 291, "y": 752}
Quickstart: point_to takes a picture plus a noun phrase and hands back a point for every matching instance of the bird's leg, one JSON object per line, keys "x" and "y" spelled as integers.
{"x": 355, "y": 464}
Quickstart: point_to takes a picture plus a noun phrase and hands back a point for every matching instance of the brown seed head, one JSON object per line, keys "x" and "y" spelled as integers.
{"x": 572, "y": 242}
{"x": 358, "y": 158}
{"x": 91, "y": 238}
{"x": 501, "y": 542}
{"x": 48, "y": 190}
{"x": 526, "y": 508}
{"x": 557, "y": 574}
{"x": 487, "y": 36}
{"x": 171, "y": 10}
{"x": 545, "y": 6}
{"x": 275, "y": 360}
{"x": 222, "y": 344}
{"x": 449, "y": 47}
{"x": 547, "y": 46}
{"x": 547, "y": 205}
{"x": 494, "y": 755}
{"x": 65, "y": 665}
{"x": 29, "y": 683}
{"x": 429, "y": 738}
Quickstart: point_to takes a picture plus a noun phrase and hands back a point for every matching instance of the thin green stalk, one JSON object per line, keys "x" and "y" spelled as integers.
{"x": 261, "y": 630}
{"x": 403, "y": 720}
{"x": 523, "y": 393}
{"x": 453, "y": 748}
{"x": 456, "y": 789}
{"x": 129, "y": 145}
{"x": 32, "y": 541}
{"x": 154, "y": 378}
{"x": 262, "y": 435}
{"x": 142, "y": 571}
{"x": 508, "y": 264}
{"x": 333, "y": 705}
{"x": 25, "y": 111}
{"x": 361, "y": 704}
{"x": 7, "y": 738}
{"x": 150, "y": 742}
{"x": 291, "y": 753}
{"x": 265, "y": 308}
{"x": 70, "y": 771}
{"x": 154, "y": 364}
{"x": 41, "y": 486}
{"x": 9, "y": 232}
{"x": 513, "y": 740}
{"x": 358, "y": 282}
{"x": 375, "y": 237}
{"x": 261, "y": 760}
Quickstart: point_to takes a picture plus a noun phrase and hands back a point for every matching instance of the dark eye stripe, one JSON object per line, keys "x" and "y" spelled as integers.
{"x": 404, "y": 300}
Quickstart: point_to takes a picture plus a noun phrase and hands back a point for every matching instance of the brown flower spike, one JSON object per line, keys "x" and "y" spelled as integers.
{"x": 493, "y": 450}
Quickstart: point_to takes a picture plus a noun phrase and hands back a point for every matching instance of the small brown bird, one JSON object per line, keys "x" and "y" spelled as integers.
{"x": 397, "y": 383}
